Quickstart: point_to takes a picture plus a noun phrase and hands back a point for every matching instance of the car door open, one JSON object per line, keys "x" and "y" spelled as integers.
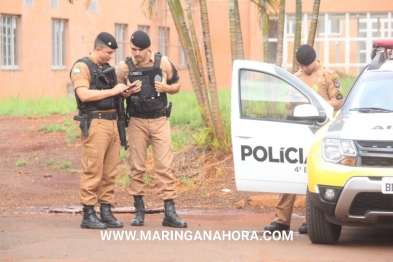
{"x": 274, "y": 116}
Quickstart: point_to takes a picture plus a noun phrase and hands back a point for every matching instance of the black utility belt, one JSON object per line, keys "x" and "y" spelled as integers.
{"x": 103, "y": 115}
{"x": 153, "y": 115}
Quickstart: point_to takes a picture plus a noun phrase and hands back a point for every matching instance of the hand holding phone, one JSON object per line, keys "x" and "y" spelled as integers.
{"x": 131, "y": 86}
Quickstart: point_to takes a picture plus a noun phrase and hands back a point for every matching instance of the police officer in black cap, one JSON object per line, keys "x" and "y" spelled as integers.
{"x": 325, "y": 82}
{"x": 100, "y": 138}
{"x": 149, "y": 123}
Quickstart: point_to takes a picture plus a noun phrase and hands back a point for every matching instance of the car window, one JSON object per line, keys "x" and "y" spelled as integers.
{"x": 266, "y": 96}
{"x": 373, "y": 91}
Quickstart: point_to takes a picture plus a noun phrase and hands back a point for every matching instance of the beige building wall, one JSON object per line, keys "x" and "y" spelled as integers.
{"x": 35, "y": 76}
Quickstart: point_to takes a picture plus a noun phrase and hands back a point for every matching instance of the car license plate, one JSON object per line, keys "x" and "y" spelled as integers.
{"x": 387, "y": 185}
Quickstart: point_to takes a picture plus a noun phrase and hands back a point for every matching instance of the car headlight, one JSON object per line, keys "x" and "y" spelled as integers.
{"x": 339, "y": 151}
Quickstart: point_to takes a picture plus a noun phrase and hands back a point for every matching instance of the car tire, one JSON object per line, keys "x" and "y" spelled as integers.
{"x": 320, "y": 231}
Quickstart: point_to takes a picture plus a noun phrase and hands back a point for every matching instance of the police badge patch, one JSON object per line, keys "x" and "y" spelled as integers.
{"x": 339, "y": 95}
{"x": 76, "y": 70}
{"x": 336, "y": 82}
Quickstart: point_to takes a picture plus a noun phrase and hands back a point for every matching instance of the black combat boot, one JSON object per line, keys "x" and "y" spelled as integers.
{"x": 171, "y": 219}
{"x": 275, "y": 226}
{"x": 303, "y": 229}
{"x": 140, "y": 212}
{"x": 108, "y": 218}
{"x": 90, "y": 219}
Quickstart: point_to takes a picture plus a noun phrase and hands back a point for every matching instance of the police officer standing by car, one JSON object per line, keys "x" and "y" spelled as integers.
{"x": 147, "y": 105}
{"x": 325, "y": 82}
{"x": 100, "y": 138}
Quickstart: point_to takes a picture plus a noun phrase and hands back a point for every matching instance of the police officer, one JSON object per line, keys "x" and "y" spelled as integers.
{"x": 100, "y": 138}
{"x": 148, "y": 108}
{"x": 325, "y": 82}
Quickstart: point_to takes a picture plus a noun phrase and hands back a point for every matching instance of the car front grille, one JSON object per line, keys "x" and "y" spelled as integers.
{"x": 377, "y": 161}
{"x": 375, "y": 153}
{"x": 371, "y": 201}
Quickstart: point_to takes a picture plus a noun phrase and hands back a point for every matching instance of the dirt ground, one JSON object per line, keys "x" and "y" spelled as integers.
{"x": 40, "y": 172}
{"x": 41, "y": 169}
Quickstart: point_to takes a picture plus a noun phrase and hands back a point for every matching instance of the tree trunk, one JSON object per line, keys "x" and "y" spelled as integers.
{"x": 239, "y": 35}
{"x": 314, "y": 23}
{"x": 264, "y": 19}
{"x": 280, "y": 33}
{"x": 298, "y": 33}
{"x": 232, "y": 29}
{"x": 207, "y": 114}
{"x": 181, "y": 28}
{"x": 211, "y": 74}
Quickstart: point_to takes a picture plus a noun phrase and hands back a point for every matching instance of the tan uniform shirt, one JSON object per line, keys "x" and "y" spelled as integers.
{"x": 80, "y": 74}
{"x": 324, "y": 81}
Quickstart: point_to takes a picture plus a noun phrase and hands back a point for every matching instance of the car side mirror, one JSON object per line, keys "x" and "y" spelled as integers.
{"x": 308, "y": 112}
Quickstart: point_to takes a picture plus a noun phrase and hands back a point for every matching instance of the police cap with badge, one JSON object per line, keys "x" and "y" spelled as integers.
{"x": 107, "y": 39}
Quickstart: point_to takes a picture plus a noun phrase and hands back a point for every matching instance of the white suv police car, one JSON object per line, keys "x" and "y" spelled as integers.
{"x": 344, "y": 164}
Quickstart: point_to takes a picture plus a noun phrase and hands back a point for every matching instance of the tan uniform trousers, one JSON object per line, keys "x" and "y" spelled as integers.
{"x": 101, "y": 150}
{"x": 140, "y": 131}
{"x": 284, "y": 208}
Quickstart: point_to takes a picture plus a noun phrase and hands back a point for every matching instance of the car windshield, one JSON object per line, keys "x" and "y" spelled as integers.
{"x": 372, "y": 93}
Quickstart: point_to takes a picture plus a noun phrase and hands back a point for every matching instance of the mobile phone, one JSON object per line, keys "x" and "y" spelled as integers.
{"x": 131, "y": 86}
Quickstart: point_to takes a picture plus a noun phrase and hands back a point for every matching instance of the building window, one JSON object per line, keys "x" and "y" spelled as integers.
{"x": 144, "y": 28}
{"x": 54, "y": 4}
{"x": 9, "y": 41}
{"x": 120, "y": 35}
{"x": 29, "y": 2}
{"x": 93, "y": 7}
{"x": 330, "y": 25}
{"x": 58, "y": 43}
{"x": 162, "y": 40}
{"x": 290, "y": 23}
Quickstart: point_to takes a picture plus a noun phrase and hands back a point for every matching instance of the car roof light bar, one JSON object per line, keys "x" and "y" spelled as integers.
{"x": 382, "y": 51}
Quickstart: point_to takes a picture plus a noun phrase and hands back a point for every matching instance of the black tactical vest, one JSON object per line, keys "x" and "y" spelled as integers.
{"x": 98, "y": 82}
{"x": 147, "y": 100}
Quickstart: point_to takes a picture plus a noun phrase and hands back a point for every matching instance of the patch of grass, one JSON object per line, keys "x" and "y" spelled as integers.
{"x": 52, "y": 128}
{"x": 64, "y": 165}
{"x": 71, "y": 171}
{"x": 123, "y": 154}
{"x": 50, "y": 162}
{"x": 186, "y": 180}
{"x": 181, "y": 137}
{"x": 33, "y": 108}
{"x": 148, "y": 181}
{"x": 21, "y": 162}
{"x": 70, "y": 127}
{"x": 123, "y": 179}
{"x": 205, "y": 195}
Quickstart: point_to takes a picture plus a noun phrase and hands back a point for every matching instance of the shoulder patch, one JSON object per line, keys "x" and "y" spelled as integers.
{"x": 339, "y": 95}
{"x": 336, "y": 82}
{"x": 76, "y": 70}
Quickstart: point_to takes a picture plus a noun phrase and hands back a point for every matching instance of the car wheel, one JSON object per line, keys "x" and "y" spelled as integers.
{"x": 320, "y": 231}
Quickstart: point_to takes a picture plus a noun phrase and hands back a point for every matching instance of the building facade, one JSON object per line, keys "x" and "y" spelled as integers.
{"x": 41, "y": 39}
